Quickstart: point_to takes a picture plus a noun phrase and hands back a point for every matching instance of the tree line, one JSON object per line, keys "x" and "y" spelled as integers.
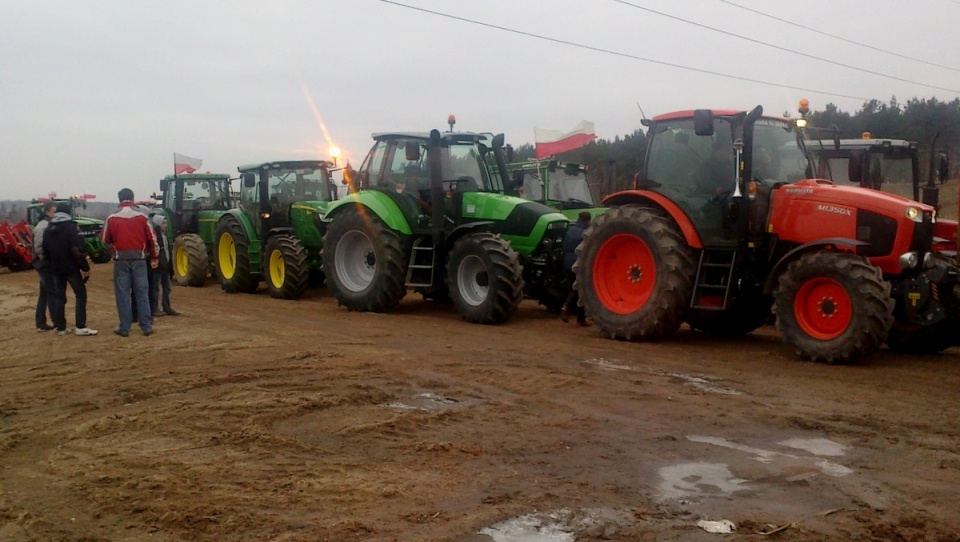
{"x": 611, "y": 164}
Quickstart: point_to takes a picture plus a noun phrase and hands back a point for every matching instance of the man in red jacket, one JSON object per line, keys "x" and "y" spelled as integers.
{"x": 130, "y": 237}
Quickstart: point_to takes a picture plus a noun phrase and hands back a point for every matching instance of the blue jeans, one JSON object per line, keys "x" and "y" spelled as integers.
{"x": 131, "y": 275}
{"x": 58, "y": 304}
{"x": 160, "y": 282}
{"x": 45, "y": 299}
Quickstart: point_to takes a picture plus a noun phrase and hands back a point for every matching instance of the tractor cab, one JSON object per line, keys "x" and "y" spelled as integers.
{"x": 184, "y": 197}
{"x": 270, "y": 192}
{"x": 562, "y": 186}
{"x": 867, "y": 162}
{"x": 399, "y": 165}
{"x": 699, "y": 160}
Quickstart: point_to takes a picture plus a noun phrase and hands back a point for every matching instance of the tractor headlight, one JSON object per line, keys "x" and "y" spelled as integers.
{"x": 914, "y": 214}
{"x": 909, "y": 260}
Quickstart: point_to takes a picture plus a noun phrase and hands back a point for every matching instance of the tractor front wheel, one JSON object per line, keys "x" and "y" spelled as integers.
{"x": 287, "y": 271}
{"x": 190, "y": 262}
{"x": 231, "y": 248}
{"x": 365, "y": 262}
{"x": 833, "y": 307}
{"x": 484, "y": 278}
{"x": 634, "y": 274}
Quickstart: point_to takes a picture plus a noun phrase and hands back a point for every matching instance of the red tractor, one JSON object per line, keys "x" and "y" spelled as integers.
{"x": 16, "y": 245}
{"x": 726, "y": 230}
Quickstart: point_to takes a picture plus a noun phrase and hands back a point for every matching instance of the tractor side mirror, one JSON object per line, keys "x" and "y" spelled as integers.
{"x": 703, "y": 122}
{"x": 412, "y": 151}
{"x": 164, "y": 184}
{"x": 249, "y": 180}
{"x": 943, "y": 168}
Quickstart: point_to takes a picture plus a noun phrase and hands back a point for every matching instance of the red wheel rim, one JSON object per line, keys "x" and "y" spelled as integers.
{"x": 624, "y": 273}
{"x": 823, "y": 308}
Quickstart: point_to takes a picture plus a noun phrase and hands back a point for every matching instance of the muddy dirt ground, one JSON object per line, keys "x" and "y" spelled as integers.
{"x": 249, "y": 418}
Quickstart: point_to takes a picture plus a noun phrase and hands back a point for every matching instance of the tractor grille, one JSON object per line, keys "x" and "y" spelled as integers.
{"x": 923, "y": 234}
{"x": 89, "y": 230}
{"x": 878, "y": 230}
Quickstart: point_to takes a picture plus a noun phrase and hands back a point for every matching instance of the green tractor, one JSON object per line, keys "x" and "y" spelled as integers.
{"x": 562, "y": 186}
{"x": 89, "y": 228}
{"x": 193, "y": 203}
{"x": 276, "y": 233}
{"x": 429, "y": 216}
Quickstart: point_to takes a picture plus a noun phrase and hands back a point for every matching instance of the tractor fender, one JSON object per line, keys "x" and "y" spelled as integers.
{"x": 466, "y": 229}
{"x": 648, "y": 198}
{"x": 842, "y": 244}
{"x": 373, "y": 201}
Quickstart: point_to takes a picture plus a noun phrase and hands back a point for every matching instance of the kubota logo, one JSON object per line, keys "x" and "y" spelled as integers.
{"x": 834, "y": 209}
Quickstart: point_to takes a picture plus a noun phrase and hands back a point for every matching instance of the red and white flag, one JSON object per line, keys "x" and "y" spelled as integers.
{"x": 185, "y": 164}
{"x": 552, "y": 142}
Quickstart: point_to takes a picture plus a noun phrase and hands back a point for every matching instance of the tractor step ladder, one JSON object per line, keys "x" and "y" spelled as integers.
{"x": 714, "y": 279}
{"x": 422, "y": 264}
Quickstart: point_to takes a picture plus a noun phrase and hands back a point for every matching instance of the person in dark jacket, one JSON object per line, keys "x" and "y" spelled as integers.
{"x": 570, "y": 243}
{"x": 129, "y": 235}
{"x": 160, "y": 278}
{"x": 63, "y": 250}
{"x": 44, "y": 300}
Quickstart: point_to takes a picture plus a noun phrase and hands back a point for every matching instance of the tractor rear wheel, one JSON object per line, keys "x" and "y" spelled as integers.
{"x": 833, "y": 307}
{"x": 103, "y": 255}
{"x": 232, "y": 261}
{"x": 365, "y": 262}
{"x": 484, "y": 278}
{"x": 286, "y": 268}
{"x": 634, "y": 274}
{"x": 190, "y": 263}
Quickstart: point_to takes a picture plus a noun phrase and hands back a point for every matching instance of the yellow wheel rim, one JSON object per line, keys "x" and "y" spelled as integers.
{"x": 183, "y": 263}
{"x": 227, "y": 256}
{"x": 277, "y": 269}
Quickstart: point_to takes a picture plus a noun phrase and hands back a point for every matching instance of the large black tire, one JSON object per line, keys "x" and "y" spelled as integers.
{"x": 743, "y": 315}
{"x": 232, "y": 258}
{"x": 833, "y": 307}
{"x": 484, "y": 278}
{"x": 634, "y": 274}
{"x": 923, "y": 340}
{"x": 365, "y": 262}
{"x": 103, "y": 256}
{"x": 285, "y": 267}
{"x": 189, "y": 260}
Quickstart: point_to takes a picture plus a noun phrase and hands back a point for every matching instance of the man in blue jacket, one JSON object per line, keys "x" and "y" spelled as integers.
{"x": 63, "y": 250}
{"x": 570, "y": 242}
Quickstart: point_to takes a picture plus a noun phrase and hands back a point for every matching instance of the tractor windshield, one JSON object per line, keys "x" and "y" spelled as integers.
{"x": 287, "y": 186}
{"x": 777, "y": 158}
{"x": 682, "y": 164}
{"x": 199, "y": 194}
{"x": 463, "y": 162}
{"x": 877, "y": 168}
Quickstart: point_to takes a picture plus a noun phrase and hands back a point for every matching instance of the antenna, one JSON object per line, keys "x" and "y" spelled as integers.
{"x": 644, "y": 121}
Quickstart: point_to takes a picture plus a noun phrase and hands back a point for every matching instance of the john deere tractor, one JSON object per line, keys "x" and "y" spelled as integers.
{"x": 193, "y": 203}
{"x": 276, "y": 233}
{"x": 88, "y": 227}
{"x": 427, "y": 215}
{"x": 726, "y": 227}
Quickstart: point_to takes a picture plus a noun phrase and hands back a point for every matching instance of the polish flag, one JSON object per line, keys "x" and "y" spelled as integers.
{"x": 552, "y": 142}
{"x": 185, "y": 164}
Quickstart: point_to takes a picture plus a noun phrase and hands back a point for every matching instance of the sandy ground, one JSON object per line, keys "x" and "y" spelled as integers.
{"x": 249, "y": 418}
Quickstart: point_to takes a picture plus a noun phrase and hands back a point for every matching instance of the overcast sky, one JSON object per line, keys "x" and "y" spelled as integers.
{"x": 98, "y": 95}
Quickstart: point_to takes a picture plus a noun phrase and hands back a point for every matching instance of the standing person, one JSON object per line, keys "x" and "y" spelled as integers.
{"x": 63, "y": 249}
{"x": 160, "y": 278}
{"x": 43, "y": 269}
{"x": 570, "y": 242}
{"x": 130, "y": 237}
